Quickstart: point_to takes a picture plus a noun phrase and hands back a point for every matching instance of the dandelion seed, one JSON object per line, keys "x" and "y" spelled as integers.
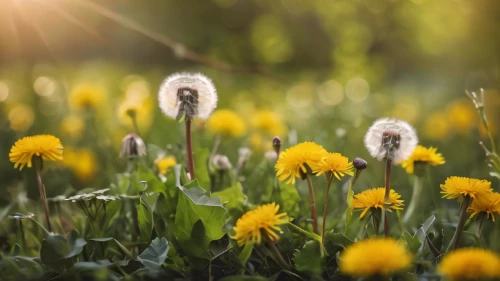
{"x": 187, "y": 95}
{"x": 392, "y": 139}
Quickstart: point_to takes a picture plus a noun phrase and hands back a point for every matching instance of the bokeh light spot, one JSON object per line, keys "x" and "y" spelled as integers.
{"x": 357, "y": 89}
{"x": 331, "y": 92}
{"x": 4, "y": 91}
{"x": 44, "y": 86}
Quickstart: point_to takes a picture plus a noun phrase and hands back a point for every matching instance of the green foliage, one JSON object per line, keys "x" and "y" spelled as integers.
{"x": 156, "y": 253}
{"x": 58, "y": 253}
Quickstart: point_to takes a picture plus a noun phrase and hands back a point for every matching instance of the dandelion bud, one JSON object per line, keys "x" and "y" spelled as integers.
{"x": 244, "y": 155}
{"x": 185, "y": 95}
{"x": 359, "y": 164}
{"x": 132, "y": 146}
{"x": 277, "y": 144}
{"x": 391, "y": 139}
{"x": 221, "y": 162}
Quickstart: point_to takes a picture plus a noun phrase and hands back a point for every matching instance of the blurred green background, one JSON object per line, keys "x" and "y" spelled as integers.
{"x": 325, "y": 69}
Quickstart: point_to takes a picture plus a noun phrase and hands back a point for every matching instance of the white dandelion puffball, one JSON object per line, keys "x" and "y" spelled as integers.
{"x": 391, "y": 138}
{"x": 192, "y": 95}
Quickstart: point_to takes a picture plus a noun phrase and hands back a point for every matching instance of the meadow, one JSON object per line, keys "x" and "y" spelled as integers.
{"x": 256, "y": 159}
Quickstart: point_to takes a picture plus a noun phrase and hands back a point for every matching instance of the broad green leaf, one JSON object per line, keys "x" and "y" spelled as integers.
{"x": 201, "y": 156}
{"x": 232, "y": 197}
{"x": 335, "y": 242}
{"x": 122, "y": 248}
{"x": 412, "y": 241}
{"x": 195, "y": 204}
{"x": 308, "y": 258}
{"x": 145, "y": 218}
{"x": 156, "y": 253}
{"x": 154, "y": 183}
{"x": 58, "y": 254}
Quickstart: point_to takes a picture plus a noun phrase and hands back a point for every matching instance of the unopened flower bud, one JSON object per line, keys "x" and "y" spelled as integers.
{"x": 359, "y": 164}
{"x": 271, "y": 155}
{"x": 221, "y": 162}
{"x": 132, "y": 146}
{"x": 277, "y": 144}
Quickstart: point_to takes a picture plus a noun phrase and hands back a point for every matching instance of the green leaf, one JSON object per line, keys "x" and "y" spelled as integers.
{"x": 474, "y": 240}
{"x": 244, "y": 278}
{"x": 335, "y": 242}
{"x": 58, "y": 254}
{"x": 145, "y": 218}
{"x": 201, "y": 156}
{"x": 308, "y": 258}
{"x": 245, "y": 254}
{"x": 122, "y": 248}
{"x": 232, "y": 197}
{"x": 412, "y": 241}
{"x": 348, "y": 212}
{"x": 290, "y": 198}
{"x": 156, "y": 253}
{"x": 154, "y": 183}
{"x": 195, "y": 204}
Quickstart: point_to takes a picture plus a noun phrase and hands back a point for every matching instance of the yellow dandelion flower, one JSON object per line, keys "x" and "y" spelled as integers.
{"x": 21, "y": 117}
{"x": 46, "y": 146}
{"x": 462, "y": 116}
{"x": 488, "y": 203}
{"x": 423, "y": 155}
{"x": 262, "y": 221}
{"x": 138, "y": 108}
{"x": 226, "y": 122}
{"x": 375, "y": 256}
{"x": 73, "y": 126}
{"x": 85, "y": 96}
{"x": 82, "y": 162}
{"x": 470, "y": 264}
{"x": 164, "y": 163}
{"x": 374, "y": 198}
{"x": 295, "y": 160}
{"x": 336, "y": 163}
{"x": 436, "y": 126}
{"x": 453, "y": 187}
{"x": 269, "y": 123}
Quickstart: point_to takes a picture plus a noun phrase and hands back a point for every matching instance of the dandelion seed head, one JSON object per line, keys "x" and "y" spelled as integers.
{"x": 391, "y": 138}
{"x": 189, "y": 95}
{"x": 132, "y": 146}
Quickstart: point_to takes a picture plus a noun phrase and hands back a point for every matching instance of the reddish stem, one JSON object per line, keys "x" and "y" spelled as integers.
{"x": 189, "y": 149}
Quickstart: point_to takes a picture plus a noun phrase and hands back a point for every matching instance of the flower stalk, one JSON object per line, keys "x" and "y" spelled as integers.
{"x": 314, "y": 216}
{"x": 38, "y": 161}
{"x": 388, "y": 165}
{"x": 415, "y": 199}
{"x": 461, "y": 223}
{"x": 189, "y": 149}
{"x": 279, "y": 258}
{"x": 329, "y": 179}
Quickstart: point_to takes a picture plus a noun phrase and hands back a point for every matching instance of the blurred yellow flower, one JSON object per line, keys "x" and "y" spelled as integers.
{"x": 262, "y": 221}
{"x": 462, "y": 116}
{"x": 453, "y": 187}
{"x": 21, "y": 117}
{"x": 73, "y": 126}
{"x": 470, "y": 264}
{"x": 374, "y": 198}
{"x": 295, "y": 161}
{"x": 269, "y": 123}
{"x": 259, "y": 142}
{"x": 86, "y": 96}
{"x": 436, "y": 127}
{"x": 82, "y": 162}
{"x": 226, "y": 122}
{"x": 337, "y": 164}
{"x": 46, "y": 146}
{"x": 164, "y": 163}
{"x": 488, "y": 203}
{"x": 422, "y": 155}
{"x": 374, "y": 257}
{"x": 138, "y": 108}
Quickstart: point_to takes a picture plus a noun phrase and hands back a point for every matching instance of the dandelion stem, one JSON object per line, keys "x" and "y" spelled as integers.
{"x": 415, "y": 199}
{"x": 23, "y": 236}
{"x": 329, "y": 179}
{"x": 388, "y": 165}
{"x": 305, "y": 232}
{"x": 279, "y": 258}
{"x": 314, "y": 216}
{"x": 461, "y": 223}
{"x": 481, "y": 224}
{"x": 189, "y": 149}
{"x": 41, "y": 188}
